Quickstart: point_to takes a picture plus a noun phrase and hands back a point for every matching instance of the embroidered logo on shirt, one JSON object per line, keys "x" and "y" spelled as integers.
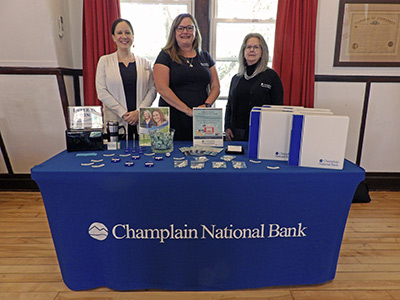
{"x": 264, "y": 85}
{"x": 204, "y": 64}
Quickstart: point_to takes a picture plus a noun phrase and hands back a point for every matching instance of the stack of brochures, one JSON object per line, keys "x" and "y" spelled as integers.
{"x": 308, "y": 137}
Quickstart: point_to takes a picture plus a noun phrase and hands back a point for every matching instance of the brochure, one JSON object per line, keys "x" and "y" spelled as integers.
{"x": 207, "y": 127}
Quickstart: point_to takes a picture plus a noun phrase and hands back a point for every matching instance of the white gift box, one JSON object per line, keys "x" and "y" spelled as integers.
{"x": 281, "y": 107}
{"x": 318, "y": 111}
{"x": 318, "y": 141}
{"x": 269, "y": 134}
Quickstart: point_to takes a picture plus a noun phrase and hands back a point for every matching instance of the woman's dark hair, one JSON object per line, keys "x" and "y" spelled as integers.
{"x": 117, "y": 21}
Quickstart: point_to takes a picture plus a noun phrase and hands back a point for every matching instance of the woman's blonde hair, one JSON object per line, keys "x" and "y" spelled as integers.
{"x": 263, "y": 63}
{"x": 172, "y": 47}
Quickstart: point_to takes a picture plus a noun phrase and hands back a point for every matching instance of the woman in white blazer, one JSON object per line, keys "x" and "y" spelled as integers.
{"x": 124, "y": 81}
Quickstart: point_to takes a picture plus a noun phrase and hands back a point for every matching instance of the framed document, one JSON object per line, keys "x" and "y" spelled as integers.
{"x": 368, "y": 33}
{"x": 207, "y": 127}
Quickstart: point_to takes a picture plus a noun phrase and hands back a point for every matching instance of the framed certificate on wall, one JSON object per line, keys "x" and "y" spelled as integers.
{"x": 368, "y": 33}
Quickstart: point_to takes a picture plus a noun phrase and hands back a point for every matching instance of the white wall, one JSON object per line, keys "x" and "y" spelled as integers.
{"x": 382, "y": 140}
{"x": 31, "y": 117}
{"x": 25, "y": 34}
{"x": 61, "y": 35}
{"x": 68, "y": 48}
{"x": 75, "y": 29}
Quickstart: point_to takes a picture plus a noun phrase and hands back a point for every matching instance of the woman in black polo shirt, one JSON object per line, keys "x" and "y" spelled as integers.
{"x": 185, "y": 76}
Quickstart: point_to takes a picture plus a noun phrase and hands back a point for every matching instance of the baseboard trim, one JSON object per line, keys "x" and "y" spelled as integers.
{"x": 375, "y": 182}
{"x": 17, "y": 182}
{"x": 383, "y": 181}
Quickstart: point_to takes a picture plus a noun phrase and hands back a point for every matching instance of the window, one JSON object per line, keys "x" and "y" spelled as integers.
{"x": 231, "y": 22}
{"x": 151, "y": 21}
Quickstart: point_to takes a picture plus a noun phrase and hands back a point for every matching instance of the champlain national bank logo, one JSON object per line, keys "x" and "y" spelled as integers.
{"x": 328, "y": 162}
{"x": 284, "y": 155}
{"x": 98, "y": 231}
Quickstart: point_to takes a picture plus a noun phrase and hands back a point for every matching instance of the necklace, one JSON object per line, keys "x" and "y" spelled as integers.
{"x": 190, "y": 63}
{"x": 247, "y": 77}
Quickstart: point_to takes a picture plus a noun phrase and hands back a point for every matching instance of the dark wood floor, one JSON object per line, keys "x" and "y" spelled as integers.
{"x": 369, "y": 263}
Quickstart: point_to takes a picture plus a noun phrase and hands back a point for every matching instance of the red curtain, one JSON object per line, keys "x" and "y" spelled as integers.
{"x": 294, "y": 50}
{"x": 97, "y": 41}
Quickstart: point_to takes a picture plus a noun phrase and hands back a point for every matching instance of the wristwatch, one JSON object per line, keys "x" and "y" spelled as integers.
{"x": 207, "y": 104}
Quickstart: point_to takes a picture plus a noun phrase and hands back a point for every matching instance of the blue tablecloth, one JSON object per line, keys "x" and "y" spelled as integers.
{"x": 185, "y": 229}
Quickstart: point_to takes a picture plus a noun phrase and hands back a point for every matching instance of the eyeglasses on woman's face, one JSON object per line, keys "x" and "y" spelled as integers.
{"x": 254, "y": 47}
{"x": 188, "y": 28}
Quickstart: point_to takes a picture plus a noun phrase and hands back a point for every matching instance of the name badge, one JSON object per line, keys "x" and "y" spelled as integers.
{"x": 264, "y": 85}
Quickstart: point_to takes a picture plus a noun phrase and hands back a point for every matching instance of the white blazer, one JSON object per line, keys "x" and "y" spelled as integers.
{"x": 110, "y": 90}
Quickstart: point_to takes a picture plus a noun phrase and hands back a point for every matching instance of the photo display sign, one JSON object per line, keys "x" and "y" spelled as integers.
{"x": 85, "y": 117}
{"x": 207, "y": 127}
{"x": 152, "y": 119}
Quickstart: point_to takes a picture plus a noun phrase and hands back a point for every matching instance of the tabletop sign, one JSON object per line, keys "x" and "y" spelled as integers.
{"x": 207, "y": 127}
{"x": 152, "y": 119}
{"x": 85, "y": 117}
